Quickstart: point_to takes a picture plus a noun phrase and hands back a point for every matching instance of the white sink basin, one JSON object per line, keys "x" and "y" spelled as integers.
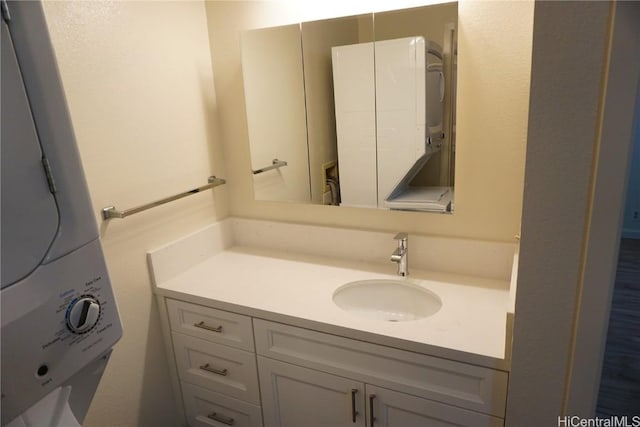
{"x": 387, "y": 300}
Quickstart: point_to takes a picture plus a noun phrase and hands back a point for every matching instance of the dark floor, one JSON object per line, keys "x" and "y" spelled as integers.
{"x": 620, "y": 383}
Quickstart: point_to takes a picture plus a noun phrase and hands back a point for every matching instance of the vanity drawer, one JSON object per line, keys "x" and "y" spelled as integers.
{"x": 207, "y": 408}
{"x": 211, "y": 324}
{"x": 454, "y": 383}
{"x": 217, "y": 367}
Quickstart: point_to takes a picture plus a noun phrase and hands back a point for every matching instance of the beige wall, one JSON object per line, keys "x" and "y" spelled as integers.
{"x": 585, "y": 71}
{"x": 566, "y": 91}
{"x": 138, "y": 81}
{"x": 493, "y": 89}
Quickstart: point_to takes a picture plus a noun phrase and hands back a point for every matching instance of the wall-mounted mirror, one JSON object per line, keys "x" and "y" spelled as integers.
{"x": 356, "y": 111}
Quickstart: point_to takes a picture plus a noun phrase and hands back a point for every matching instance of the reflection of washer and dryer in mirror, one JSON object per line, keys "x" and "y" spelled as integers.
{"x": 59, "y": 315}
{"x": 389, "y": 103}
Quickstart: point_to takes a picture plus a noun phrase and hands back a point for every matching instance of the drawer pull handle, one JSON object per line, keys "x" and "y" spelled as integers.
{"x": 221, "y": 418}
{"x": 213, "y": 370}
{"x": 372, "y": 419}
{"x": 202, "y": 325}
{"x": 354, "y": 413}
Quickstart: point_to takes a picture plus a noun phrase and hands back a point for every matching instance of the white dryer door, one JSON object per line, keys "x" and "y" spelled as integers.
{"x": 29, "y": 211}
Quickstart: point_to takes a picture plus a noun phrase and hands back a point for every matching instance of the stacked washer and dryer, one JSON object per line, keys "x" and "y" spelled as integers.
{"x": 389, "y": 107}
{"x": 58, "y": 312}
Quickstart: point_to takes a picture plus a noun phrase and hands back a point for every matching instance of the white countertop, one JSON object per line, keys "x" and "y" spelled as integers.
{"x": 283, "y": 287}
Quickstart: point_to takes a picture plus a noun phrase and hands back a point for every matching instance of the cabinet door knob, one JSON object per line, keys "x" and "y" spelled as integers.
{"x": 354, "y": 413}
{"x": 372, "y": 419}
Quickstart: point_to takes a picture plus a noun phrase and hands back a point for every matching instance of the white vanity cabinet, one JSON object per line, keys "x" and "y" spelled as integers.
{"x": 321, "y": 380}
{"x": 235, "y": 370}
{"x": 215, "y": 364}
{"x": 294, "y": 396}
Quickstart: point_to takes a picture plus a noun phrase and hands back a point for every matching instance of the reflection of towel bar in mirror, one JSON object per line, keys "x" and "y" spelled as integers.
{"x": 275, "y": 164}
{"x": 111, "y": 212}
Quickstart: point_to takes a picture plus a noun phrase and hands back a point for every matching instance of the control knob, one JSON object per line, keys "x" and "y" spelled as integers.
{"x": 82, "y": 314}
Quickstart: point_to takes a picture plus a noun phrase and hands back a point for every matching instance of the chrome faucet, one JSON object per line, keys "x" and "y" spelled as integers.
{"x": 400, "y": 255}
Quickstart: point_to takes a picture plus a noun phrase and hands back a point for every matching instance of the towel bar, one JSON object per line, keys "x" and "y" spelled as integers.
{"x": 275, "y": 164}
{"x": 111, "y": 212}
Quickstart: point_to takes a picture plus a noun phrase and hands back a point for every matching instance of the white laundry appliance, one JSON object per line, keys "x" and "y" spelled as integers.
{"x": 389, "y": 105}
{"x": 58, "y": 312}
{"x": 354, "y": 92}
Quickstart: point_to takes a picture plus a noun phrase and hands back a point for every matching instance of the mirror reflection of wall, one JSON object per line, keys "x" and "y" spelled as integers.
{"x": 276, "y": 114}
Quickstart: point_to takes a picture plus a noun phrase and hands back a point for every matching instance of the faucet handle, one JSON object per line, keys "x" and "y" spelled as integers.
{"x": 401, "y": 236}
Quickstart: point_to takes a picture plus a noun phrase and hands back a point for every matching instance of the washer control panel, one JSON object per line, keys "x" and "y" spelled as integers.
{"x": 57, "y": 320}
{"x": 83, "y": 314}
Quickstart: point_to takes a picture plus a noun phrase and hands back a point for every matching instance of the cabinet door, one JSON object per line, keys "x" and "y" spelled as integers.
{"x": 293, "y": 396}
{"x": 393, "y": 409}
